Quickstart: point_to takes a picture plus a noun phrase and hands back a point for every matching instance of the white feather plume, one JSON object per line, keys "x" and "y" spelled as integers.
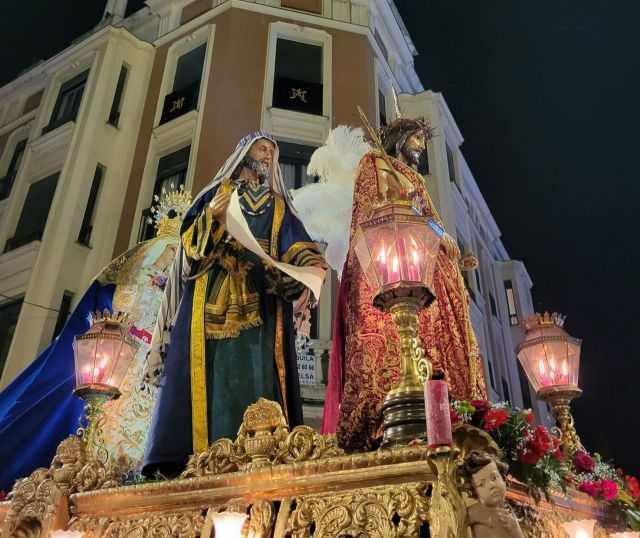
{"x": 325, "y": 207}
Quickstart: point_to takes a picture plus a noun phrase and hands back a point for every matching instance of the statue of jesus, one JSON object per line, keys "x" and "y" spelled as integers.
{"x": 364, "y": 361}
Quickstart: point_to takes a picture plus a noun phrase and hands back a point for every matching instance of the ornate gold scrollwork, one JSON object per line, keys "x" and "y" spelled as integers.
{"x": 263, "y": 439}
{"x": 261, "y": 519}
{"x": 40, "y": 495}
{"x": 179, "y": 525}
{"x": 377, "y": 512}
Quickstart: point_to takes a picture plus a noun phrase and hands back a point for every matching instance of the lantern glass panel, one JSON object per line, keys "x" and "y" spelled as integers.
{"x": 550, "y": 357}
{"x": 127, "y": 352}
{"x": 103, "y": 354}
{"x": 529, "y": 362}
{"x": 85, "y": 352}
{"x": 366, "y": 260}
{"x": 396, "y": 244}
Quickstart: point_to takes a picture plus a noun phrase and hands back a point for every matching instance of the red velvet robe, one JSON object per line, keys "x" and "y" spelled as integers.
{"x": 364, "y": 361}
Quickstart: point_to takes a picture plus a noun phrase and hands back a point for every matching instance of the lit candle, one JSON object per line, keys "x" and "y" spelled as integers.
{"x": 102, "y": 366}
{"x": 436, "y": 402}
{"x": 565, "y": 372}
{"x": 384, "y": 270}
{"x": 86, "y": 374}
{"x": 545, "y": 380}
{"x": 552, "y": 365}
{"x": 395, "y": 275}
{"x": 404, "y": 262}
{"x": 414, "y": 270}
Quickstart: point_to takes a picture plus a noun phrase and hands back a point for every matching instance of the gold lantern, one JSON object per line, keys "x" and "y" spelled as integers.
{"x": 102, "y": 358}
{"x": 397, "y": 249}
{"x": 551, "y": 359}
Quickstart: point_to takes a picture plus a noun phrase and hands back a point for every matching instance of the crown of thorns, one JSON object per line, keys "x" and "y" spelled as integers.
{"x": 407, "y": 125}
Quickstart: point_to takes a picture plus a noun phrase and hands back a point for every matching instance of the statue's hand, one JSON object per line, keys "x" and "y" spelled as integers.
{"x": 509, "y": 522}
{"x": 219, "y": 204}
{"x": 450, "y": 247}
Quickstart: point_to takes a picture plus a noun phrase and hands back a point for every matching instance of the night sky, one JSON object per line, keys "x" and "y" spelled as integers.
{"x": 545, "y": 94}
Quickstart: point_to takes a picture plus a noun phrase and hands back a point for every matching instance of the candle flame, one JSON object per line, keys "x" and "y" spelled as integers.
{"x": 552, "y": 363}
{"x": 565, "y": 368}
{"x": 415, "y": 256}
{"x": 87, "y": 369}
{"x": 541, "y": 367}
{"x": 103, "y": 363}
{"x": 395, "y": 264}
{"x": 382, "y": 258}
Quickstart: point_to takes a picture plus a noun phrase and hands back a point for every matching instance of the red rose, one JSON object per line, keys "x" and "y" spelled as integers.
{"x": 528, "y": 456}
{"x": 592, "y": 489}
{"x": 633, "y": 486}
{"x": 609, "y": 489}
{"x": 494, "y": 419}
{"x": 481, "y": 407}
{"x": 455, "y": 418}
{"x": 583, "y": 462}
{"x": 540, "y": 442}
{"x": 530, "y": 417}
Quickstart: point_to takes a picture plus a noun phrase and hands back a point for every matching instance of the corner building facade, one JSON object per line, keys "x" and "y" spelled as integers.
{"x": 183, "y": 81}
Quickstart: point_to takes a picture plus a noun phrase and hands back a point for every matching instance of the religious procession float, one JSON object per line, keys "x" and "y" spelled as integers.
{"x": 184, "y": 377}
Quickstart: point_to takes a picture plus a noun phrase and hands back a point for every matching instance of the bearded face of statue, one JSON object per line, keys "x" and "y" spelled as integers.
{"x": 413, "y": 147}
{"x": 258, "y": 160}
{"x": 261, "y": 156}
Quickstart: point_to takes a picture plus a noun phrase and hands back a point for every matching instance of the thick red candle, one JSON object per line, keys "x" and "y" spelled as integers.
{"x": 436, "y": 402}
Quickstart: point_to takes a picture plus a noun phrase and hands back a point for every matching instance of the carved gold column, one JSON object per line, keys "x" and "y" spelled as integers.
{"x": 448, "y": 512}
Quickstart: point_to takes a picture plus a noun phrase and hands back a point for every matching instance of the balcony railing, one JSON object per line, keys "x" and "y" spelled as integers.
{"x": 180, "y": 102}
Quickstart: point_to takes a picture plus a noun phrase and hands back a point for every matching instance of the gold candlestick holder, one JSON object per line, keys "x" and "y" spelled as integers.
{"x": 403, "y": 406}
{"x": 559, "y": 398}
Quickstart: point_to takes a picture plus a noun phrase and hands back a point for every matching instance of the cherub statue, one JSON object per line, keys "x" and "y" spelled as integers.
{"x": 485, "y": 477}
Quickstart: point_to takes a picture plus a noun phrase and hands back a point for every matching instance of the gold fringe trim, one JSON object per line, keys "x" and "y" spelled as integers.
{"x": 231, "y": 330}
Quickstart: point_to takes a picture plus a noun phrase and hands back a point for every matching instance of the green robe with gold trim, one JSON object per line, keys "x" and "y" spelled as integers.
{"x": 234, "y": 328}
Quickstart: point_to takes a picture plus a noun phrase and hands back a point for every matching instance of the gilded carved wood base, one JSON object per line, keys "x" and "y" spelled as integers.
{"x": 294, "y": 484}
